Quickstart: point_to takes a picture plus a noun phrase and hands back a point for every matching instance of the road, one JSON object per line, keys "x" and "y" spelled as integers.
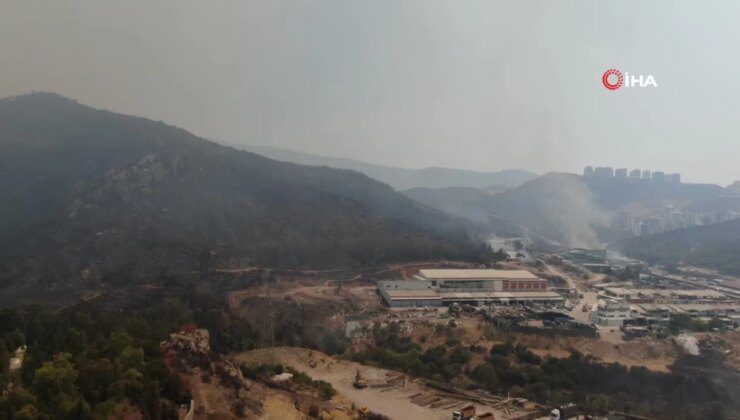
{"x": 589, "y": 299}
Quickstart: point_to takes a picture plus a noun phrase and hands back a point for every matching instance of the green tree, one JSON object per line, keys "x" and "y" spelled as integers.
{"x": 131, "y": 358}
{"x": 131, "y": 386}
{"x": 14, "y": 400}
{"x": 99, "y": 375}
{"x": 54, "y": 385}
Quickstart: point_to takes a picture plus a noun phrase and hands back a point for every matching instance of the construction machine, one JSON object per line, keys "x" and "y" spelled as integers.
{"x": 359, "y": 382}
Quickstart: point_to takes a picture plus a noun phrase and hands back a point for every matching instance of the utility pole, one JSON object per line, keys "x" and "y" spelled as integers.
{"x": 270, "y": 313}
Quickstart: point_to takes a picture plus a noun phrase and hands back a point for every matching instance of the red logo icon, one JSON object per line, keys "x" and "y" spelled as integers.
{"x": 608, "y": 79}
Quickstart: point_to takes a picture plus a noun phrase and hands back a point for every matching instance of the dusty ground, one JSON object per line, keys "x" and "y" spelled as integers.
{"x": 654, "y": 354}
{"x": 732, "y": 339}
{"x": 278, "y": 406}
{"x": 320, "y": 291}
{"x": 212, "y": 400}
{"x": 394, "y": 402}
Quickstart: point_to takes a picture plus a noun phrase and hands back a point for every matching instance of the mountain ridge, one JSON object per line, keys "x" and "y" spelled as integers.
{"x": 104, "y": 197}
{"x": 400, "y": 178}
{"x": 713, "y": 246}
{"x": 566, "y": 208}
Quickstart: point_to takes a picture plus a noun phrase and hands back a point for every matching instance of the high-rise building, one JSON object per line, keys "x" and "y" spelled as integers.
{"x": 623, "y": 173}
{"x": 604, "y": 172}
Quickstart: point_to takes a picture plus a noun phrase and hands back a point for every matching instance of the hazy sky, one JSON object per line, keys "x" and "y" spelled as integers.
{"x": 483, "y": 85}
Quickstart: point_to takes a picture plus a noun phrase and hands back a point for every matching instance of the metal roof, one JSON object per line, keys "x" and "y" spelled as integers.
{"x": 435, "y": 295}
{"x": 476, "y": 274}
{"x": 398, "y": 294}
{"x": 499, "y": 295}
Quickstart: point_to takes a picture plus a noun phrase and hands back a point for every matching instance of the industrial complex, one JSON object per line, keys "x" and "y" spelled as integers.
{"x": 476, "y": 287}
{"x": 621, "y": 304}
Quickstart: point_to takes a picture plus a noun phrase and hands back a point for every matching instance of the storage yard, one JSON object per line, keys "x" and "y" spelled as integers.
{"x": 390, "y": 393}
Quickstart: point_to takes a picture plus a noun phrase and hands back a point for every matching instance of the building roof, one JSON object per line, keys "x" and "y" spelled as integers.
{"x": 681, "y": 308}
{"x": 732, "y": 284}
{"x": 429, "y": 294}
{"x": 704, "y": 293}
{"x": 501, "y": 295}
{"x": 708, "y": 307}
{"x": 398, "y": 294}
{"x": 666, "y": 293}
{"x": 620, "y": 291}
{"x": 476, "y": 274}
{"x": 610, "y": 305}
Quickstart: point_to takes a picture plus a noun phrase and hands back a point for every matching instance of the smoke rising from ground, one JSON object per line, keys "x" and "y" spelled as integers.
{"x": 568, "y": 205}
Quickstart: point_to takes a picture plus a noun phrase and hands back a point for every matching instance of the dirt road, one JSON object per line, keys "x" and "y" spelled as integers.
{"x": 589, "y": 299}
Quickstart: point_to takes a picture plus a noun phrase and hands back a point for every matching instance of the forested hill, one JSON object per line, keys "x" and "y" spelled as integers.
{"x": 92, "y": 195}
{"x": 713, "y": 246}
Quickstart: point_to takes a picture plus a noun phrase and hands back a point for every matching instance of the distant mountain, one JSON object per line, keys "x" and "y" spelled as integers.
{"x": 569, "y": 209}
{"x": 714, "y": 246}
{"x": 474, "y": 204}
{"x": 92, "y": 196}
{"x": 734, "y": 188}
{"x": 613, "y": 193}
{"x": 577, "y": 210}
{"x": 554, "y": 207}
{"x": 400, "y": 178}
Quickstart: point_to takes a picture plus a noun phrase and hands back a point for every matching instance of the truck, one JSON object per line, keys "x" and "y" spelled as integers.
{"x": 564, "y": 412}
{"x": 484, "y": 416}
{"x": 465, "y": 413}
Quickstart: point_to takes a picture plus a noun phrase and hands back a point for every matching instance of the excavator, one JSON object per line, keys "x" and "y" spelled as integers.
{"x": 359, "y": 382}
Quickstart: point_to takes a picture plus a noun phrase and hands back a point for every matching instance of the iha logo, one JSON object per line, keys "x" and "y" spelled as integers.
{"x": 613, "y": 80}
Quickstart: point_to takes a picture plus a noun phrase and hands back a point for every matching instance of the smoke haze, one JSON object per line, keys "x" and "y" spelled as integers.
{"x": 477, "y": 84}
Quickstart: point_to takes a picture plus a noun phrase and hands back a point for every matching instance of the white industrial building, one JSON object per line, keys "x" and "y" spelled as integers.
{"x": 442, "y": 287}
{"x": 611, "y": 313}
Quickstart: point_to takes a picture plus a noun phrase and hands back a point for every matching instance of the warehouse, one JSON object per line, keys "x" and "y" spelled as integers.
{"x": 482, "y": 279}
{"x": 471, "y": 287}
{"x": 661, "y": 295}
{"x": 411, "y": 298}
{"x": 662, "y": 312}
